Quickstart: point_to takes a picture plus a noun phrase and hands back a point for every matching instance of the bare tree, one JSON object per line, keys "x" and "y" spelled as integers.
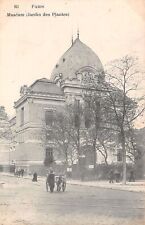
{"x": 62, "y": 134}
{"x": 92, "y": 119}
{"x": 106, "y": 143}
{"x": 5, "y": 131}
{"x": 121, "y": 77}
{"x": 111, "y": 105}
{"x": 99, "y": 122}
{"x": 65, "y": 132}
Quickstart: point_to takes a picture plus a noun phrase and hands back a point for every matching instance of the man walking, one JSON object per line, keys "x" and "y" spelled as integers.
{"x": 111, "y": 176}
{"x": 50, "y": 181}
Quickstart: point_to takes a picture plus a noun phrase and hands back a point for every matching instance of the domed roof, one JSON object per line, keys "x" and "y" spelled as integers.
{"x": 76, "y": 57}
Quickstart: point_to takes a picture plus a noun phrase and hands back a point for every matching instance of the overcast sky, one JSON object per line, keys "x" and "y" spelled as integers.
{"x": 31, "y": 46}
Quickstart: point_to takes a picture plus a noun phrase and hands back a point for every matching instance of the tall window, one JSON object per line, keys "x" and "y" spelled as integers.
{"x": 49, "y": 153}
{"x": 49, "y": 118}
{"x": 48, "y": 156}
{"x": 22, "y": 115}
{"x": 119, "y": 156}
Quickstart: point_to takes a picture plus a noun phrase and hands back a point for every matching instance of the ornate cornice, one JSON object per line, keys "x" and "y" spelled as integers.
{"x": 38, "y": 96}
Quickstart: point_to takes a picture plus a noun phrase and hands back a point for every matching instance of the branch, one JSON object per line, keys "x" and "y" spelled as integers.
{"x": 137, "y": 115}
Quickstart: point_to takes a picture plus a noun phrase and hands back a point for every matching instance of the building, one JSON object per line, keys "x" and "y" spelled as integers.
{"x": 37, "y": 103}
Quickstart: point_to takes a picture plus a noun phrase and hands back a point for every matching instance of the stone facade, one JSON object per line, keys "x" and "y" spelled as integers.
{"x": 31, "y": 110}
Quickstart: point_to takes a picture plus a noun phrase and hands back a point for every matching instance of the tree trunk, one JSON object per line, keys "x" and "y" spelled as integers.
{"x": 123, "y": 159}
{"x": 79, "y": 153}
{"x": 106, "y": 162}
{"x": 94, "y": 155}
{"x": 66, "y": 156}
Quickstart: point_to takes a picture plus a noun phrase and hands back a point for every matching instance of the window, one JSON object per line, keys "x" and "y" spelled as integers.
{"x": 48, "y": 156}
{"x": 49, "y": 117}
{"x": 49, "y": 152}
{"x": 119, "y": 156}
{"x": 22, "y": 115}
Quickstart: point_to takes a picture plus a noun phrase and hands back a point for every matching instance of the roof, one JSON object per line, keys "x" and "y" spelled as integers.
{"x": 45, "y": 86}
{"x": 76, "y": 57}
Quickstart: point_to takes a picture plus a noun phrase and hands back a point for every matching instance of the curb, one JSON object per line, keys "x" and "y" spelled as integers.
{"x": 112, "y": 188}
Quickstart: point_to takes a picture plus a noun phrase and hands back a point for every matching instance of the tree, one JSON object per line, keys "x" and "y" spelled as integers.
{"x": 112, "y": 107}
{"x": 106, "y": 143}
{"x": 92, "y": 119}
{"x": 5, "y": 131}
{"x": 99, "y": 121}
{"x": 76, "y": 112}
{"x": 65, "y": 132}
{"x": 121, "y": 83}
{"x": 61, "y": 132}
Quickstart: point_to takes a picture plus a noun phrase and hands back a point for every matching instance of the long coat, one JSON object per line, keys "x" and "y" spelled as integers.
{"x": 51, "y": 179}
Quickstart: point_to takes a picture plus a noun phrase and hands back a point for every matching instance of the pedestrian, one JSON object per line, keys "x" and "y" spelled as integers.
{"x": 34, "y": 177}
{"x": 22, "y": 172}
{"x": 117, "y": 176}
{"x": 15, "y": 172}
{"x": 50, "y": 181}
{"x": 19, "y": 172}
{"x": 111, "y": 176}
{"x": 131, "y": 177}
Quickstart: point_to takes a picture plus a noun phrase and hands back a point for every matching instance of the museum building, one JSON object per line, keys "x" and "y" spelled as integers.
{"x": 37, "y": 103}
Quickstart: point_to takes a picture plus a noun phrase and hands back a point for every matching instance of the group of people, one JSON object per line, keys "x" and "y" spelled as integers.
{"x": 51, "y": 179}
{"x": 115, "y": 175}
{"x": 19, "y": 172}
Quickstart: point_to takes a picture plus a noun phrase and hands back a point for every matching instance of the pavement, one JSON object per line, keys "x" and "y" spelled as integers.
{"x": 137, "y": 186}
{"x": 23, "y": 202}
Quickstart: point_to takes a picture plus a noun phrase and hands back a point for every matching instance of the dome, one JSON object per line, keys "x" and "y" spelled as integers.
{"x": 76, "y": 57}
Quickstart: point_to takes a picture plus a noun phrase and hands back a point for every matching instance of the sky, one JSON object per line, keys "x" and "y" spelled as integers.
{"x": 31, "y": 46}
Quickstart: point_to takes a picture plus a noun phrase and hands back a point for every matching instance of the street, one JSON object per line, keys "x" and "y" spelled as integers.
{"x": 23, "y": 202}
